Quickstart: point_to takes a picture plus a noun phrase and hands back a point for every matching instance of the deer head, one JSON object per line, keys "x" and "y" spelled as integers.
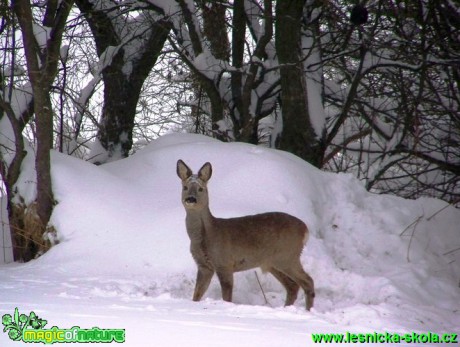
{"x": 194, "y": 187}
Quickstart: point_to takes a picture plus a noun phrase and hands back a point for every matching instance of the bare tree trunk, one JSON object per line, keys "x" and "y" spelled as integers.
{"x": 298, "y": 135}
{"x": 44, "y": 128}
{"x": 215, "y": 29}
{"x": 29, "y": 222}
{"x": 121, "y": 89}
{"x": 211, "y": 90}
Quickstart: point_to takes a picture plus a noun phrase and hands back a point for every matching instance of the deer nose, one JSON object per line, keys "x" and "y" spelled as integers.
{"x": 190, "y": 200}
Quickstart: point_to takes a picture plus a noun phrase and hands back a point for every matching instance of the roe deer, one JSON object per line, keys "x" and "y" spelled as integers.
{"x": 272, "y": 241}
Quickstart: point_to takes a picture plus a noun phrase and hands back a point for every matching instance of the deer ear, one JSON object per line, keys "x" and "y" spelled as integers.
{"x": 205, "y": 172}
{"x": 183, "y": 171}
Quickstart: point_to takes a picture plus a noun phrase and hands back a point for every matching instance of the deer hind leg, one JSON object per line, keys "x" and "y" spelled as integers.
{"x": 298, "y": 274}
{"x": 292, "y": 288}
{"x": 203, "y": 278}
{"x": 226, "y": 283}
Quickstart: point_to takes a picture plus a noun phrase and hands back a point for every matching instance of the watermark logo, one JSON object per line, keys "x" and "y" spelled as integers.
{"x": 21, "y": 327}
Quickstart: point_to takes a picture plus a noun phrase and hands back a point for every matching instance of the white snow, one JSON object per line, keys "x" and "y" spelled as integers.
{"x": 42, "y": 34}
{"x": 313, "y": 80}
{"x": 123, "y": 259}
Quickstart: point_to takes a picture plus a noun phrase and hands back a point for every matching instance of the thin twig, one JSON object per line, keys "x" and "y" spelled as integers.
{"x": 442, "y": 209}
{"x": 452, "y": 251}
{"x": 260, "y": 285}
{"x": 414, "y": 224}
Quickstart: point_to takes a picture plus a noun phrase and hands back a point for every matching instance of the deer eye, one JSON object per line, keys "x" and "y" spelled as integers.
{"x": 185, "y": 188}
{"x": 200, "y": 189}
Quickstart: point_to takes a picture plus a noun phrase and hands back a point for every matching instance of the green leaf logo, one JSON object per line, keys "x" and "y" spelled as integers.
{"x": 16, "y": 325}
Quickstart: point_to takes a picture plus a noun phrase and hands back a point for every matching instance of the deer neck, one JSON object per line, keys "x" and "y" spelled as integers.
{"x": 199, "y": 224}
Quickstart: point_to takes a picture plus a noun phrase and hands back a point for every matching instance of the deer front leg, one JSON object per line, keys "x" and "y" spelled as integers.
{"x": 203, "y": 278}
{"x": 226, "y": 283}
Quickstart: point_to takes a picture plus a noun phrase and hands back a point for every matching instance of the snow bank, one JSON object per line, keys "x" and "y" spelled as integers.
{"x": 122, "y": 235}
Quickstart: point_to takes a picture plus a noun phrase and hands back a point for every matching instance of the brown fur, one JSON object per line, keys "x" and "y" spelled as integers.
{"x": 272, "y": 241}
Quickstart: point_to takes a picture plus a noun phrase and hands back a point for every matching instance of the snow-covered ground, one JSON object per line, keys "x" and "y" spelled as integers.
{"x": 123, "y": 259}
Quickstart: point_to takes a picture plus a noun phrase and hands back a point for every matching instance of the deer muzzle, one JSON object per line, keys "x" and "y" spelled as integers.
{"x": 190, "y": 200}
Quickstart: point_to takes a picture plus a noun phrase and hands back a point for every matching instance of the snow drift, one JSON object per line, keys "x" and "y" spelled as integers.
{"x": 379, "y": 262}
